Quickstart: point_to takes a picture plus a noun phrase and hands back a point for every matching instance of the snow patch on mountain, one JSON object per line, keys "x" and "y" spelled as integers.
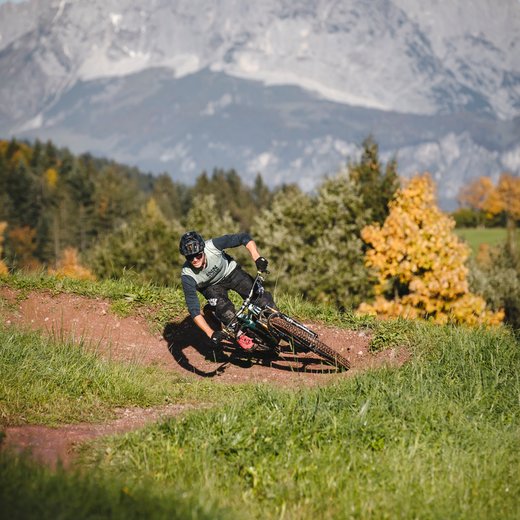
{"x": 288, "y": 89}
{"x": 511, "y": 159}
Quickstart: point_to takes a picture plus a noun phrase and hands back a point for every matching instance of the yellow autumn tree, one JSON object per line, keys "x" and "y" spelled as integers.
{"x": 508, "y": 191}
{"x": 476, "y": 193}
{"x": 51, "y": 178}
{"x": 3, "y": 267}
{"x": 419, "y": 262}
{"x": 70, "y": 267}
{"x": 493, "y": 200}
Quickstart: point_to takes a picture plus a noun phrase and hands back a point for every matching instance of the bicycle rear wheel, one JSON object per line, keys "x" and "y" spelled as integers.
{"x": 307, "y": 339}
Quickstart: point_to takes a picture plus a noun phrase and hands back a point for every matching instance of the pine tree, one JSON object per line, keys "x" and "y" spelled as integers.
{"x": 6, "y": 208}
{"x": 376, "y": 187}
{"x": 80, "y": 208}
{"x": 21, "y": 187}
{"x": 262, "y": 196}
{"x": 419, "y": 262}
{"x": 117, "y": 199}
{"x": 169, "y": 197}
{"x": 337, "y": 274}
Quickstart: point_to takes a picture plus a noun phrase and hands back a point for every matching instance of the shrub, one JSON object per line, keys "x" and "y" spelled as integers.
{"x": 496, "y": 276}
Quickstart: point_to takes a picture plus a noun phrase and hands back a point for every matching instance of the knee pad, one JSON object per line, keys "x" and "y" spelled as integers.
{"x": 225, "y": 314}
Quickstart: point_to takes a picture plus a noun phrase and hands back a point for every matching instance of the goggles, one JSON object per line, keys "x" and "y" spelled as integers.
{"x": 196, "y": 256}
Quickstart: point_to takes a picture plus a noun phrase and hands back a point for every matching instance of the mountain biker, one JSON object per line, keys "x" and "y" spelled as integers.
{"x": 211, "y": 271}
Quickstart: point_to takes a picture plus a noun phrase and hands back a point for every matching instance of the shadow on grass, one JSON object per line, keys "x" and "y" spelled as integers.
{"x": 30, "y": 490}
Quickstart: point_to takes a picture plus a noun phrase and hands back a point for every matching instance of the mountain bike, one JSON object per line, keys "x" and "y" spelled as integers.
{"x": 266, "y": 329}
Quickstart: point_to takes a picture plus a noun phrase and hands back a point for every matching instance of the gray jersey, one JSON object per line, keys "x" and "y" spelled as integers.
{"x": 218, "y": 266}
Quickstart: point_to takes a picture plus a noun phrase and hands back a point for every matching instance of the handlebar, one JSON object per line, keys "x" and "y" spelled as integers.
{"x": 258, "y": 282}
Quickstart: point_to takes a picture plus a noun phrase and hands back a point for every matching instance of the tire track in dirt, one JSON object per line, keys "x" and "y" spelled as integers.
{"x": 181, "y": 348}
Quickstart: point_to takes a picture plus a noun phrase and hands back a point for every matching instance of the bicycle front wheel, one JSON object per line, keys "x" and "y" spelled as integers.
{"x": 303, "y": 337}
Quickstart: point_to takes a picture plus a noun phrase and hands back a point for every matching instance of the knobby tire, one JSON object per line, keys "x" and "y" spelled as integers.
{"x": 309, "y": 341}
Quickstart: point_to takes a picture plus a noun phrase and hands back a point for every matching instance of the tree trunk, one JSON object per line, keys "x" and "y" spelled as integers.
{"x": 511, "y": 235}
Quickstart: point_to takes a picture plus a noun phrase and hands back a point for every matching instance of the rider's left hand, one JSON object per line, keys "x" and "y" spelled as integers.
{"x": 217, "y": 337}
{"x": 261, "y": 264}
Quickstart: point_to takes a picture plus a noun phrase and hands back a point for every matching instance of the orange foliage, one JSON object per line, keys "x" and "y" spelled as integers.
{"x": 483, "y": 256}
{"x": 23, "y": 152}
{"x": 508, "y": 190}
{"x": 419, "y": 262}
{"x": 475, "y": 195}
{"x": 69, "y": 267}
{"x": 23, "y": 243}
{"x": 481, "y": 194}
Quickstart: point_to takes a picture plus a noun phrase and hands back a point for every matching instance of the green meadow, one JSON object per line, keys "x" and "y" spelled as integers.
{"x": 477, "y": 236}
{"x": 436, "y": 438}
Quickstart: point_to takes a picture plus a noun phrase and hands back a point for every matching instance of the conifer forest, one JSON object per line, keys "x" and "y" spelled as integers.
{"x": 364, "y": 240}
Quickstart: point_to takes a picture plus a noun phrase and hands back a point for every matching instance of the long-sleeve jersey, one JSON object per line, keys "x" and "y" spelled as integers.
{"x": 218, "y": 265}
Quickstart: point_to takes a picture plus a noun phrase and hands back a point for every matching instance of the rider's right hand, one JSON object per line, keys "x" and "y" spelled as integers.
{"x": 261, "y": 264}
{"x": 217, "y": 337}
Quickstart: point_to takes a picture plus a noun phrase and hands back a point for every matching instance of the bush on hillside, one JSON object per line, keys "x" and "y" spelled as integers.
{"x": 69, "y": 267}
{"x": 147, "y": 246}
{"x": 495, "y": 275}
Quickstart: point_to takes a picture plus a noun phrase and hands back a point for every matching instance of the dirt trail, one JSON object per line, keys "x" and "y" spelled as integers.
{"x": 180, "y": 348}
{"x": 51, "y": 446}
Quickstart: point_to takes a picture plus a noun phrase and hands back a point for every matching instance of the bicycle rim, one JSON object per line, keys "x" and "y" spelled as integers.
{"x": 307, "y": 340}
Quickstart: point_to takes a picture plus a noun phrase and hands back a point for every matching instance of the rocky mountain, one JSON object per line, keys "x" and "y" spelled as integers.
{"x": 286, "y": 88}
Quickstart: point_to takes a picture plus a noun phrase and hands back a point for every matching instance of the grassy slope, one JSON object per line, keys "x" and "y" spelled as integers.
{"x": 439, "y": 438}
{"x": 49, "y": 381}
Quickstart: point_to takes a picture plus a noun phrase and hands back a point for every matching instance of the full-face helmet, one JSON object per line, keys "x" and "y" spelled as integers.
{"x": 191, "y": 244}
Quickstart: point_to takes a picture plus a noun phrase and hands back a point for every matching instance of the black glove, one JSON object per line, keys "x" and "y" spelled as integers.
{"x": 261, "y": 264}
{"x": 217, "y": 337}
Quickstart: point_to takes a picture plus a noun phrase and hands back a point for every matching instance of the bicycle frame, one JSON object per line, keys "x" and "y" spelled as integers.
{"x": 253, "y": 317}
{"x": 269, "y": 327}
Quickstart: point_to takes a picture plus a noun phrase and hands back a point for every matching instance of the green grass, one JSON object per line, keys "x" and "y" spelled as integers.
{"x": 477, "y": 236}
{"x": 164, "y": 304}
{"x": 45, "y": 380}
{"x": 438, "y": 438}
{"x": 28, "y": 491}
{"x": 126, "y": 295}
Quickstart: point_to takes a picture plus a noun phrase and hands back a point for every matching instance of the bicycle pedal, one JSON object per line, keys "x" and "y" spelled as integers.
{"x": 245, "y": 342}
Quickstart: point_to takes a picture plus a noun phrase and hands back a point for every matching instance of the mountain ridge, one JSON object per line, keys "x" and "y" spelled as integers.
{"x": 387, "y": 56}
